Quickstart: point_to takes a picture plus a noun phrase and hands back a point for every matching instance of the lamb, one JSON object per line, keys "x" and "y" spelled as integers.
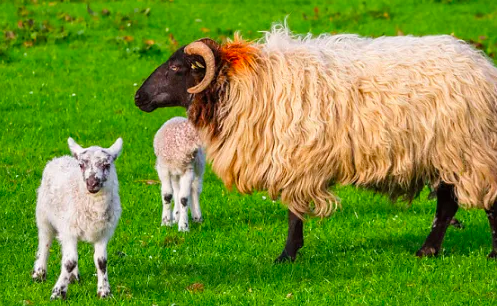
{"x": 180, "y": 166}
{"x": 295, "y": 114}
{"x": 78, "y": 199}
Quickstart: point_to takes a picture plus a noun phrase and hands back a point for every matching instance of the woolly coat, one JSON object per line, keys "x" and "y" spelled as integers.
{"x": 296, "y": 114}
{"x": 177, "y": 144}
{"x": 65, "y": 203}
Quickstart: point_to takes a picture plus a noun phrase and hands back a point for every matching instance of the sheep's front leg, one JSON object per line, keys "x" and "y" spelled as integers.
{"x": 446, "y": 209}
{"x": 185, "y": 189}
{"x": 100, "y": 259}
{"x": 295, "y": 239}
{"x": 69, "y": 267}
{"x": 45, "y": 238}
{"x": 195, "y": 205}
{"x": 167, "y": 196}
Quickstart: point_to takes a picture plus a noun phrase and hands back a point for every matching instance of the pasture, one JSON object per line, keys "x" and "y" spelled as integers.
{"x": 67, "y": 69}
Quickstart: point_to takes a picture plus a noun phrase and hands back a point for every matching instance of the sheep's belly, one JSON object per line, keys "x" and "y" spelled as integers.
{"x": 176, "y": 171}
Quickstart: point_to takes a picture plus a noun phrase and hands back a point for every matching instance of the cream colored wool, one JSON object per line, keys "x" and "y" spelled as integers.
{"x": 391, "y": 113}
{"x": 176, "y": 144}
{"x": 180, "y": 166}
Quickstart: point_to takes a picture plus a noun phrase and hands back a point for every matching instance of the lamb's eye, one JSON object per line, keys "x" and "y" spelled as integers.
{"x": 106, "y": 166}
{"x": 82, "y": 166}
{"x": 174, "y": 68}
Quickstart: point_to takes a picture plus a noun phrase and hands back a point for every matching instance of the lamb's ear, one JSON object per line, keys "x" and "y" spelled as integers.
{"x": 115, "y": 149}
{"x": 74, "y": 147}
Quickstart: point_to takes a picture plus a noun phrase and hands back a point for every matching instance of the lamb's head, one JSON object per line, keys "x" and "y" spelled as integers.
{"x": 189, "y": 70}
{"x": 96, "y": 163}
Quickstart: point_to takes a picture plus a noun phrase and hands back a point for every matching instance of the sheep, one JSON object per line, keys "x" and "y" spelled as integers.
{"x": 180, "y": 165}
{"x": 78, "y": 199}
{"x": 297, "y": 114}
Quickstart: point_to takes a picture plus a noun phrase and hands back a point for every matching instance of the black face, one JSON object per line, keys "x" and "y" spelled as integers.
{"x": 167, "y": 85}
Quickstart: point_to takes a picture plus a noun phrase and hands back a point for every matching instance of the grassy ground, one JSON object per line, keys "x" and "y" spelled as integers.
{"x": 65, "y": 71}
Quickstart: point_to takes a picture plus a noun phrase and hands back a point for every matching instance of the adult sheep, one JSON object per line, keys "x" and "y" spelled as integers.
{"x": 294, "y": 115}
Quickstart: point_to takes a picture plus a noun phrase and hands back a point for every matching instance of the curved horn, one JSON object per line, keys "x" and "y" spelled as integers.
{"x": 199, "y": 48}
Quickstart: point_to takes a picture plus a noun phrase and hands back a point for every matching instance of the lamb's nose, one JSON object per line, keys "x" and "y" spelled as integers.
{"x": 137, "y": 97}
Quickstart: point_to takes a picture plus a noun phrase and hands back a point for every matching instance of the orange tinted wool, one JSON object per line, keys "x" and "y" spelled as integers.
{"x": 240, "y": 54}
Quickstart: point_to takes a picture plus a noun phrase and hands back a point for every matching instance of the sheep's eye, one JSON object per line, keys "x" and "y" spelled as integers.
{"x": 82, "y": 166}
{"x": 106, "y": 166}
{"x": 174, "y": 68}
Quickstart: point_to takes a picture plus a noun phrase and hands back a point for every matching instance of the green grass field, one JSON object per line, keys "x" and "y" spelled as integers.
{"x": 65, "y": 72}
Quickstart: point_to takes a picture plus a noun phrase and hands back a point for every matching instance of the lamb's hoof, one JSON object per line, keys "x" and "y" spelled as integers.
{"x": 58, "y": 293}
{"x": 427, "y": 252}
{"x": 492, "y": 255}
{"x": 456, "y": 223}
{"x": 198, "y": 220}
{"x": 166, "y": 223}
{"x": 103, "y": 293}
{"x": 39, "y": 275}
{"x": 183, "y": 228}
{"x": 74, "y": 278}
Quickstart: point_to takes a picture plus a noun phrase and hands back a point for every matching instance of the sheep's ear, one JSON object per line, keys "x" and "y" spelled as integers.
{"x": 115, "y": 149}
{"x": 74, "y": 147}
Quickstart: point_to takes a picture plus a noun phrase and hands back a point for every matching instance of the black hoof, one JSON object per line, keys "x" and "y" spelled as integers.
{"x": 427, "y": 252}
{"x": 456, "y": 223}
{"x": 284, "y": 257}
{"x": 492, "y": 255}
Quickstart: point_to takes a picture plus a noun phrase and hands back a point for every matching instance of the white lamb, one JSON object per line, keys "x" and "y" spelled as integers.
{"x": 180, "y": 165}
{"x": 78, "y": 200}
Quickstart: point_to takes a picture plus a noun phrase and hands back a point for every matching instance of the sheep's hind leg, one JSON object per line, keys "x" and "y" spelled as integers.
{"x": 167, "y": 197}
{"x": 446, "y": 209}
{"x": 175, "y": 184}
{"x": 492, "y": 219}
{"x": 195, "y": 203}
{"x": 295, "y": 239}
{"x": 185, "y": 191}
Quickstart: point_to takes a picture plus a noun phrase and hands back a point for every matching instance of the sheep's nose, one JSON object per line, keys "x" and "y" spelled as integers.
{"x": 93, "y": 184}
{"x": 140, "y": 98}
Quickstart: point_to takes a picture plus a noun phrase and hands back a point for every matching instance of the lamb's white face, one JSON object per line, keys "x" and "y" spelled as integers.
{"x": 95, "y": 163}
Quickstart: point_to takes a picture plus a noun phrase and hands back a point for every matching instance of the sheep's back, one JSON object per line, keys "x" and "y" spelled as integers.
{"x": 176, "y": 143}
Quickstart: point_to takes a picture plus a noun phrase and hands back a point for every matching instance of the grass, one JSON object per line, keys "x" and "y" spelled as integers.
{"x": 66, "y": 72}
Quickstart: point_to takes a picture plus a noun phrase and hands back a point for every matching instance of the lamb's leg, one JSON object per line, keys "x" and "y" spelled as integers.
{"x": 100, "y": 259}
{"x": 185, "y": 190}
{"x": 167, "y": 197}
{"x": 492, "y": 219}
{"x": 69, "y": 264}
{"x": 175, "y": 183}
{"x": 45, "y": 238}
{"x": 446, "y": 209}
{"x": 295, "y": 239}
{"x": 195, "y": 205}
